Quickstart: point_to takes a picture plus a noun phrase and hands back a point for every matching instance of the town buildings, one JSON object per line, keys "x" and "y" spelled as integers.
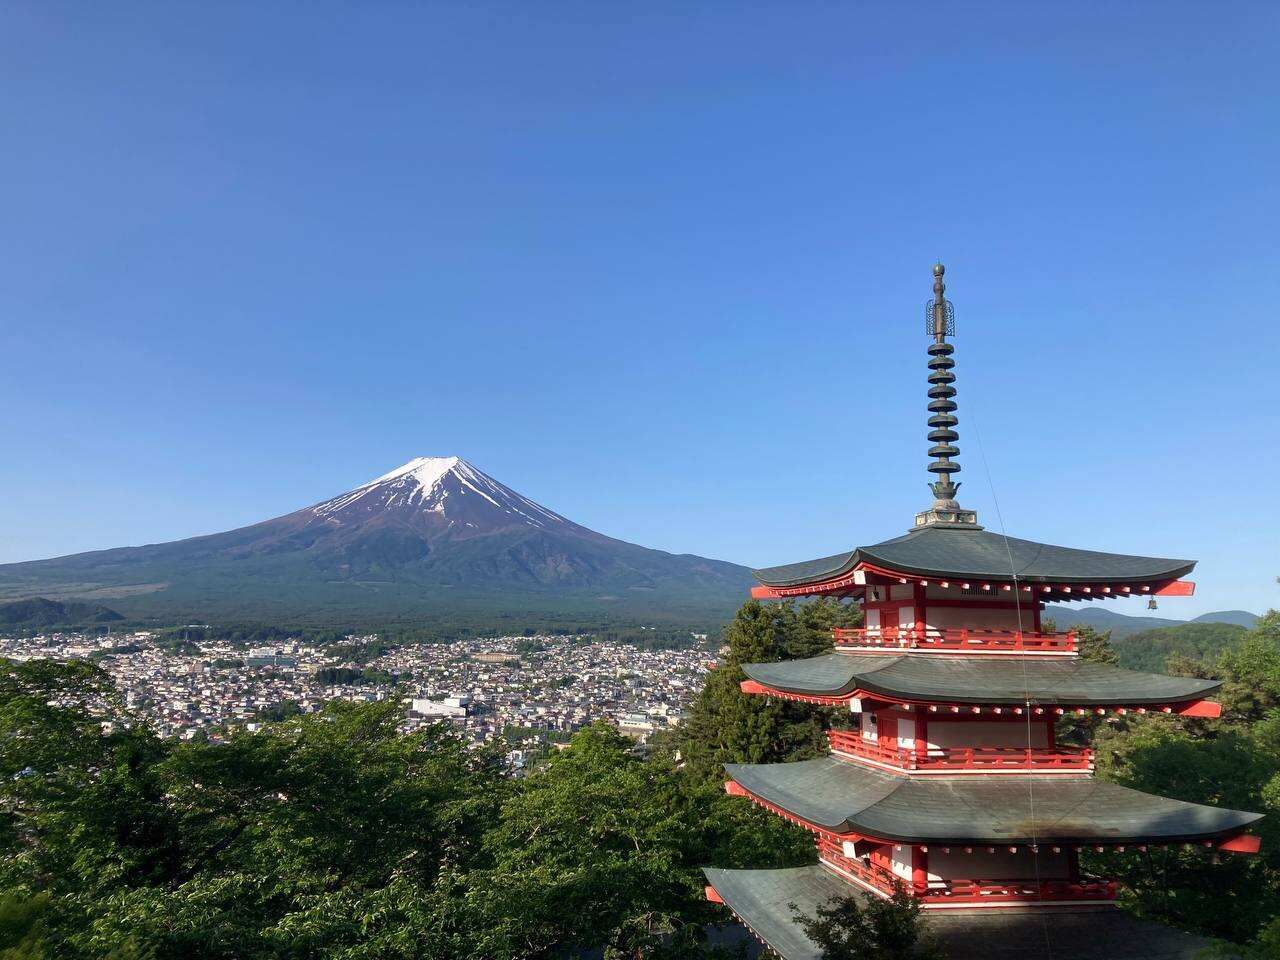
{"x": 520, "y": 690}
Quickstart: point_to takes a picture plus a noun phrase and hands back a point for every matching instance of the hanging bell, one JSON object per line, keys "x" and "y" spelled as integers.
{"x": 1151, "y": 604}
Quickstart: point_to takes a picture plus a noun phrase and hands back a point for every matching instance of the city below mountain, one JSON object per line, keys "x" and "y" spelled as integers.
{"x": 434, "y": 536}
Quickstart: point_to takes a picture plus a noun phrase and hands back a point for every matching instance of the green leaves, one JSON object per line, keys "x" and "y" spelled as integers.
{"x": 727, "y": 726}
{"x": 868, "y": 928}
{"x": 1234, "y": 762}
{"x": 332, "y": 836}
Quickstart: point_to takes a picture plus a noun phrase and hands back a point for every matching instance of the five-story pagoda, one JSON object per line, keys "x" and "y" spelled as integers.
{"x": 951, "y": 782}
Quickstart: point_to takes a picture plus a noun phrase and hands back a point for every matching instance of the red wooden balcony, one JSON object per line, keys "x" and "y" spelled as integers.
{"x": 961, "y": 759}
{"x": 960, "y": 640}
{"x": 976, "y": 892}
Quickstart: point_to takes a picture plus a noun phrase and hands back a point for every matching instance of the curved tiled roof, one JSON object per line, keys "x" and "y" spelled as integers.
{"x": 764, "y": 900}
{"x": 1080, "y": 683}
{"x": 958, "y": 552}
{"x": 848, "y": 798}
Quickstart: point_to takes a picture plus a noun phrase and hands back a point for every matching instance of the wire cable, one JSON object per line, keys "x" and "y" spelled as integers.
{"x": 1026, "y": 685}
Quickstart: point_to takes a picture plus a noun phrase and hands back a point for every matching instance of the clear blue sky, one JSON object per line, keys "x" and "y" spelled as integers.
{"x": 661, "y": 267}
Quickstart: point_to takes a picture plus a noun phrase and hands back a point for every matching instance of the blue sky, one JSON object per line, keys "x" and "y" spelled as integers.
{"x": 661, "y": 267}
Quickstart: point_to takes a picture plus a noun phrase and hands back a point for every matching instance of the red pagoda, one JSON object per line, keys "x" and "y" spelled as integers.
{"x": 950, "y": 781}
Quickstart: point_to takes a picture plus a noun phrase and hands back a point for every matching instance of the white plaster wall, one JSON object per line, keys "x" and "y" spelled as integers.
{"x": 900, "y": 862}
{"x": 1001, "y": 865}
{"x": 986, "y": 733}
{"x": 949, "y": 618}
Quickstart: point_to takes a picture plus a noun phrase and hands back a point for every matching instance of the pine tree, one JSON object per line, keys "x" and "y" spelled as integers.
{"x": 727, "y": 726}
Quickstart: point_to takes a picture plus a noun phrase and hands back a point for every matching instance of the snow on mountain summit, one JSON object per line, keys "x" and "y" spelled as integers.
{"x": 425, "y": 470}
{"x": 448, "y": 487}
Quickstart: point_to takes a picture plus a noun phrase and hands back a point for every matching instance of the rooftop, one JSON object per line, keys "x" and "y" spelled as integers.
{"x": 847, "y": 798}
{"x": 959, "y": 552}
{"x": 903, "y": 677}
{"x": 763, "y": 899}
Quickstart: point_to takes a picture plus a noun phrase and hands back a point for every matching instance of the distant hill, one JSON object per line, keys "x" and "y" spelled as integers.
{"x": 37, "y": 612}
{"x": 434, "y": 537}
{"x": 1150, "y": 650}
{"x": 1242, "y": 618}
{"x": 1121, "y": 625}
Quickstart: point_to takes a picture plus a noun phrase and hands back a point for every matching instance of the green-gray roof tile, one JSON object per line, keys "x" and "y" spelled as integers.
{"x": 950, "y": 552}
{"x": 763, "y": 899}
{"x": 845, "y": 797}
{"x": 978, "y": 680}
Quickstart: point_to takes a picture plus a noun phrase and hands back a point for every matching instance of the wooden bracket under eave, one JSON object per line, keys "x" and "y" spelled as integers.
{"x": 1209, "y": 709}
{"x": 1242, "y": 843}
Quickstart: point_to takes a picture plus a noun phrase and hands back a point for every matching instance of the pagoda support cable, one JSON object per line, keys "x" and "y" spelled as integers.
{"x": 1026, "y": 683}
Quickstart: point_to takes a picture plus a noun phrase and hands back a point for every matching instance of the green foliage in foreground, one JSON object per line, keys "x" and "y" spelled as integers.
{"x": 1233, "y": 762}
{"x": 727, "y": 726}
{"x": 868, "y": 928}
{"x": 333, "y": 836}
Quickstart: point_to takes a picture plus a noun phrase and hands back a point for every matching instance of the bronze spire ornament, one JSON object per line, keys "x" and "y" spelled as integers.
{"x": 940, "y": 323}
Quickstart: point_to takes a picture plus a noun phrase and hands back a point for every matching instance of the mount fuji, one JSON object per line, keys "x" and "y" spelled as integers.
{"x": 435, "y": 536}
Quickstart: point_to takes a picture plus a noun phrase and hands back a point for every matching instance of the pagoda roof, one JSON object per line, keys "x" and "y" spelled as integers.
{"x": 848, "y": 798}
{"x": 958, "y": 552}
{"x": 762, "y": 899}
{"x": 976, "y": 680}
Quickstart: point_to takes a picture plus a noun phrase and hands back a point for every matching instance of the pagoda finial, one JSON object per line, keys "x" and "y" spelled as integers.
{"x": 940, "y": 323}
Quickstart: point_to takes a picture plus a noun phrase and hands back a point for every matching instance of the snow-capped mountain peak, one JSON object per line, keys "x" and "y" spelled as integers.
{"x": 433, "y": 537}
{"x": 448, "y": 487}
{"x": 424, "y": 470}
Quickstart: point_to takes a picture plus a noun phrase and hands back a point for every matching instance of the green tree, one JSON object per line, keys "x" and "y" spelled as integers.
{"x": 1232, "y": 762}
{"x": 332, "y": 835}
{"x": 1251, "y": 672}
{"x": 727, "y": 726}
{"x": 868, "y": 928}
{"x": 602, "y": 847}
{"x": 1152, "y": 650}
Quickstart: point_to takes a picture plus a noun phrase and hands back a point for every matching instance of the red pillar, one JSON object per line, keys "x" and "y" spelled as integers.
{"x": 887, "y": 730}
{"x": 919, "y": 870}
{"x": 917, "y": 594}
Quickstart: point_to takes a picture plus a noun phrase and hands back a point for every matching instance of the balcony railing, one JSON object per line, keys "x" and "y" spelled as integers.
{"x": 961, "y": 759}
{"x": 977, "y": 892}
{"x": 959, "y": 640}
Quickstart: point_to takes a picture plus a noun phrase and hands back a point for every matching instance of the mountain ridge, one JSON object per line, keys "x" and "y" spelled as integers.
{"x": 435, "y": 534}
{"x": 1123, "y": 625}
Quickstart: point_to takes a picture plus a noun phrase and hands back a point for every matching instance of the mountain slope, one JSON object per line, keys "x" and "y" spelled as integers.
{"x": 42, "y": 612}
{"x": 1150, "y": 650}
{"x": 435, "y": 535}
{"x": 1123, "y": 625}
{"x": 1241, "y": 618}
